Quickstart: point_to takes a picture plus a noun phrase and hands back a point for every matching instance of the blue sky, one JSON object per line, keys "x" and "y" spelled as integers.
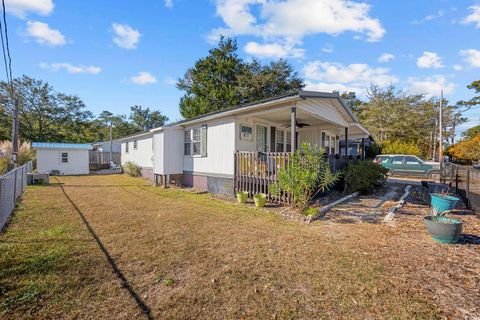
{"x": 114, "y": 54}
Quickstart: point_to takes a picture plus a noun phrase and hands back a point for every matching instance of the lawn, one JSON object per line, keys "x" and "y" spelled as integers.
{"x": 96, "y": 247}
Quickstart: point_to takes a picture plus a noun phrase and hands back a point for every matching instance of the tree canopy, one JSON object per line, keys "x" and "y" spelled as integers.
{"x": 48, "y": 115}
{"x": 222, "y": 79}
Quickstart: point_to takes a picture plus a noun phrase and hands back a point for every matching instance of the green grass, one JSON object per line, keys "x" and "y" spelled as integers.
{"x": 185, "y": 256}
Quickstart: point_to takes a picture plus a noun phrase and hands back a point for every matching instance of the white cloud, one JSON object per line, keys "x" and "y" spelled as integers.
{"x": 169, "y": 81}
{"x": 330, "y": 76}
{"x": 357, "y": 73}
{"x": 71, "y": 68}
{"x": 474, "y": 17}
{"x": 385, "y": 57}
{"x": 472, "y": 56}
{"x": 20, "y": 8}
{"x": 429, "y": 60}
{"x": 440, "y": 13}
{"x": 43, "y": 34}
{"x": 457, "y": 67}
{"x": 168, "y": 3}
{"x": 431, "y": 86}
{"x": 125, "y": 36}
{"x": 143, "y": 77}
{"x": 288, "y": 22}
{"x": 273, "y": 50}
{"x": 328, "y": 48}
{"x": 330, "y": 87}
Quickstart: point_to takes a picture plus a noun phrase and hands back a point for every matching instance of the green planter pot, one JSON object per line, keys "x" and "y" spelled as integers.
{"x": 443, "y": 229}
{"x": 242, "y": 196}
{"x": 260, "y": 199}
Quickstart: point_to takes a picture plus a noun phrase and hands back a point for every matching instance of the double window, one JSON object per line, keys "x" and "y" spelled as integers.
{"x": 195, "y": 141}
{"x": 64, "y": 157}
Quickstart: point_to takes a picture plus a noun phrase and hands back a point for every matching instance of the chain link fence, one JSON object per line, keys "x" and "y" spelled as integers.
{"x": 12, "y": 185}
{"x": 465, "y": 180}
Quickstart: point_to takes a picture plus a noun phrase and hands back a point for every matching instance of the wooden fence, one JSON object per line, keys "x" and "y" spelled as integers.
{"x": 255, "y": 172}
{"x": 101, "y": 160}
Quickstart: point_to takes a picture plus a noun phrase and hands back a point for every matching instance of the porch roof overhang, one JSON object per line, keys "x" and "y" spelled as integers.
{"x": 280, "y": 107}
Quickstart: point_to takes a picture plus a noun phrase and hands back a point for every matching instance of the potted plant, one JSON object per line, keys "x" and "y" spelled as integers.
{"x": 442, "y": 202}
{"x": 242, "y": 196}
{"x": 260, "y": 199}
{"x": 444, "y": 229}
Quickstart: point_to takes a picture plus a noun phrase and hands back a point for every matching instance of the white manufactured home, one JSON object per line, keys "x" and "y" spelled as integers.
{"x": 203, "y": 151}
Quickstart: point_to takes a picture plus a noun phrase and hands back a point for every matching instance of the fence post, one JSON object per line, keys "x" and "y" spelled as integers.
{"x": 456, "y": 179}
{"x": 451, "y": 175}
{"x": 467, "y": 189}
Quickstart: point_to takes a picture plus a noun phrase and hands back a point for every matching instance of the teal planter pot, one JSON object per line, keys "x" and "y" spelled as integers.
{"x": 441, "y": 203}
{"x": 443, "y": 229}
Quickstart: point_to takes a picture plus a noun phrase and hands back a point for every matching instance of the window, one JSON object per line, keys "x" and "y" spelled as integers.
{"x": 197, "y": 141}
{"x": 64, "y": 157}
{"x": 288, "y": 143}
{"x": 397, "y": 160}
{"x": 384, "y": 159}
{"x": 411, "y": 160}
{"x": 262, "y": 142}
{"x": 187, "y": 143}
{"x": 126, "y": 147}
{"x": 135, "y": 144}
{"x": 333, "y": 147}
{"x": 327, "y": 144}
{"x": 280, "y": 140}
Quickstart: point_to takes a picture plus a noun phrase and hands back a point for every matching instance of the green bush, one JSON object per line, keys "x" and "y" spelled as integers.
{"x": 398, "y": 147}
{"x": 4, "y": 165}
{"x": 132, "y": 169}
{"x": 364, "y": 177}
{"x": 308, "y": 173}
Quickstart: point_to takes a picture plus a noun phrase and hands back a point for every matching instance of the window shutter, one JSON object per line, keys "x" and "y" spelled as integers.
{"x": 204, "y": 140}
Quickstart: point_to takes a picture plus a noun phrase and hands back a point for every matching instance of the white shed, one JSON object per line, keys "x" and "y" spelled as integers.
{"x": 63, "y": 158}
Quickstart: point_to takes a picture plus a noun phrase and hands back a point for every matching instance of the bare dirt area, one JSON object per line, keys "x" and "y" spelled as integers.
{"x": 113, "y": 247}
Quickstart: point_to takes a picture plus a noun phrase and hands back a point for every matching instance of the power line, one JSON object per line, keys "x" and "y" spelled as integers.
{"x": 6, "y": 40}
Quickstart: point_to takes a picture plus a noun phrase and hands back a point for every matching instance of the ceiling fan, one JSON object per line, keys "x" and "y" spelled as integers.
{"x": 298, "y": 124}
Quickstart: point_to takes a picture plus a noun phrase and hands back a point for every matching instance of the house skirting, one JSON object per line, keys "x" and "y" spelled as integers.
{"x": 213, "y": 183}
{"x": 147, "y": 173}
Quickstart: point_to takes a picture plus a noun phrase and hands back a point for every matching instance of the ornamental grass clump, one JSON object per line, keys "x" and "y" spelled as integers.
{"x": 306, "y": 175}
{"x": 132, "y": 169}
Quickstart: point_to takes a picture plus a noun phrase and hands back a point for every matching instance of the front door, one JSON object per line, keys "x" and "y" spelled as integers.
{"x": 262, "y": 142}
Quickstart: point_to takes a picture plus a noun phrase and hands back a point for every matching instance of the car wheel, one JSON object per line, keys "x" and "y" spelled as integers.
{"x": 434, "y": 176}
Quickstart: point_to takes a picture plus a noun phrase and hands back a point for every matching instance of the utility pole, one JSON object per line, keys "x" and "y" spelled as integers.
{"x": 15, "y": 130}
{"x": 440, "y": 129}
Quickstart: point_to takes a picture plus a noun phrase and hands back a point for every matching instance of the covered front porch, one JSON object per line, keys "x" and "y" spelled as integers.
{"x": 267, "y": 139}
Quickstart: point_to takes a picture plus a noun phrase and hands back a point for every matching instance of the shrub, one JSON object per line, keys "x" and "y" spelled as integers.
{"x": 5, "y": 164}
{"x": 364, "y": 177}
{"x": 466, "y": 150}
{"x": 307, "y": 174}
{"x": 398, "y": 147}
{"x": 25, "y": 151}
{"x": 132, "y": 169}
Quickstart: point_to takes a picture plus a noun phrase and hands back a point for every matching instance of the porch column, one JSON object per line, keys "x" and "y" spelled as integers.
{"x": 346, "y": 143}
{"x": 363, "y": 148}
{"x": 293, "y": 135}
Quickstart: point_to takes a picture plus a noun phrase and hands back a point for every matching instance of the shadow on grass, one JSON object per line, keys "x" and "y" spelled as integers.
{"x": 140, "y": 303}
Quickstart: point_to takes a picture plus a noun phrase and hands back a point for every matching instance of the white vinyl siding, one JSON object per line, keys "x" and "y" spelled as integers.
{"x": 143, "y": 155}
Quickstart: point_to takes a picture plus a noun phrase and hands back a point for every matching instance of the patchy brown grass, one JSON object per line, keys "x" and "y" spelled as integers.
{"x": 114, "y": 247}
